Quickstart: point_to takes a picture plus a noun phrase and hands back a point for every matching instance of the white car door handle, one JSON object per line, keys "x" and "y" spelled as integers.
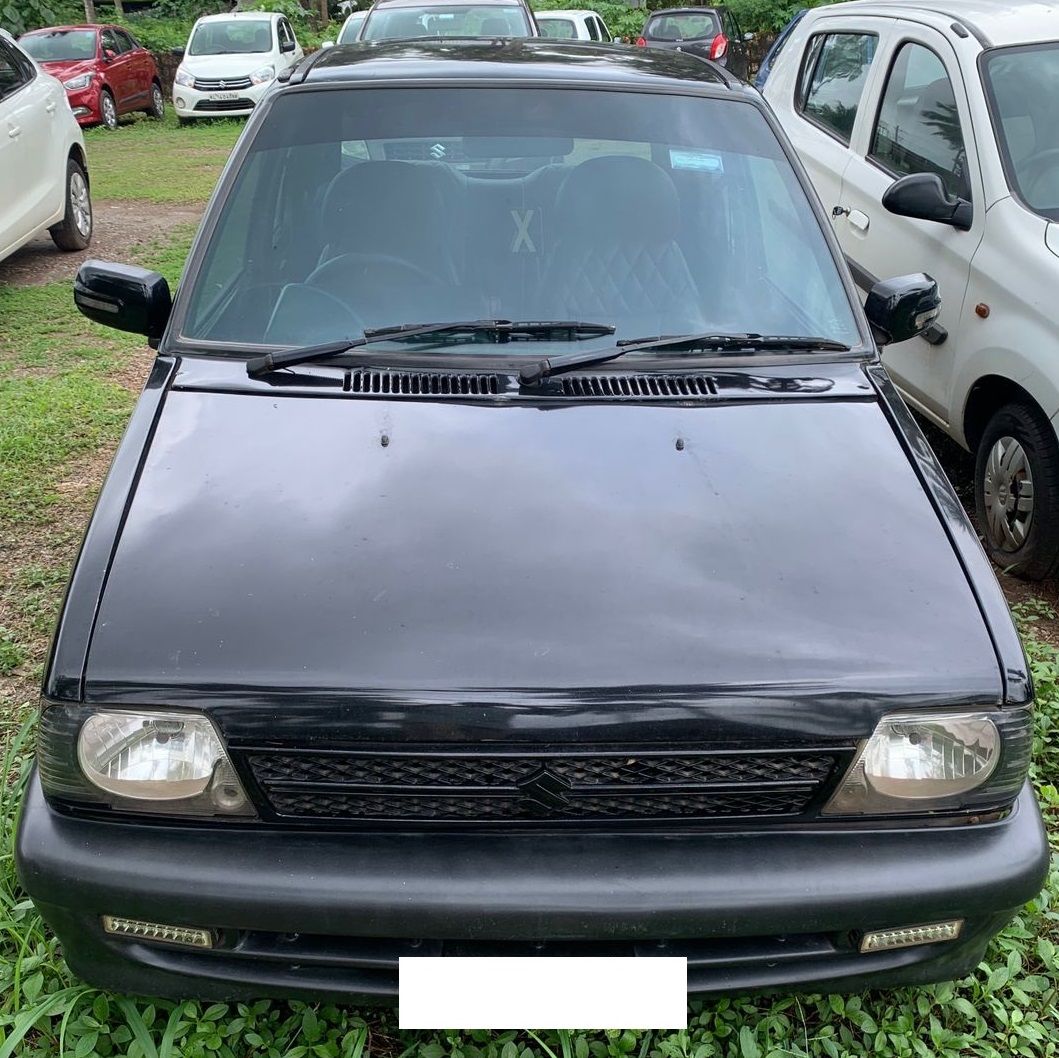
{"x": 14, "y": 131}
{"x": 50, "y": 108}
{"x": 858, "y": 221}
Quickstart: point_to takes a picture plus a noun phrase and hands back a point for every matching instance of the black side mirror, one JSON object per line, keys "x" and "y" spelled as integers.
{"x": 922, "y": 196}
{"x": 288, "y": 45}
{"x": 125, "y": 297}
{"x": 901, "y": 308}
{"x": 177, "y": 52}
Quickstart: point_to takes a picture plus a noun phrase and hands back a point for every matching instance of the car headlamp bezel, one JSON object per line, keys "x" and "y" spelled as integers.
{"x": 80, "y": 82}
{"x": 183, "y": 78}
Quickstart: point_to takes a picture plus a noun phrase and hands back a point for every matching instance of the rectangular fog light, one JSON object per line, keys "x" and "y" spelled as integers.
{"x": 907, "y": 936}
{"x": 131, "y": 927}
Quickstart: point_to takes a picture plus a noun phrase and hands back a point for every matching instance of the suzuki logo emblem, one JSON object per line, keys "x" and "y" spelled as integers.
{"x": 543, "y": 793}
{"x": 437, "y": 151}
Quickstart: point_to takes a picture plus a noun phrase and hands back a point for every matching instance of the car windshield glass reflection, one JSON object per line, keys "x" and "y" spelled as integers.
{"x": 483, "y": 20}
{"x": 1023, "y": 91}
{"x": 61, "y": 45}
{"x": 245, "y": 37}
{"x": 658, "y": 215}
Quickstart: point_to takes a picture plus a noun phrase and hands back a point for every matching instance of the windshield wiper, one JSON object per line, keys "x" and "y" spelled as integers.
{"x": 676, "y": 343}
{"x": 498, "y": 331}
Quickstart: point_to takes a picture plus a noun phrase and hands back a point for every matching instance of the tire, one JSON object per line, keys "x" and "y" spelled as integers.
{"x": 108, "y": 111}
{"x": 1016, "y": 491}
{"x": 74, "y": 232}
{"x": 157, "y": 107}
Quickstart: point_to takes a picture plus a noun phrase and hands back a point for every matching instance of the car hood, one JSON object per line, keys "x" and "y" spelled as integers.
{"x": 305, "y": 544}
{"x": 232, "y": 66}
{"x": 69, "y": 69}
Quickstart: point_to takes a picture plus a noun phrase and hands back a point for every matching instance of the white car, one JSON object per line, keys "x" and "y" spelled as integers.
{"x": 230, "y": 61}
{"x": 931, "y": 133}
{"x": 573, "y": 25}
{"x": 43, "y": 172}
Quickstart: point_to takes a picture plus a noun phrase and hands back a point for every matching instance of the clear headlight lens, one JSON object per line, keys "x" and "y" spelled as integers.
{"x": 184, "y": 78}
{"x": 160, "y": 757}
{"x": 266, "y": 73}
{"x": 918, "y": 762}
{"x": 75, "y": 84}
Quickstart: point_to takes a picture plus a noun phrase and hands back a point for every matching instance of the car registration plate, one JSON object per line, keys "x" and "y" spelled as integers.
{"x": 224, "y": 95}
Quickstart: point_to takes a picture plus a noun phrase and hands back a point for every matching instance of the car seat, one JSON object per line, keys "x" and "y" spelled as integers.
{"x": 615, "y": 258}
{"x": 495, "y": 27}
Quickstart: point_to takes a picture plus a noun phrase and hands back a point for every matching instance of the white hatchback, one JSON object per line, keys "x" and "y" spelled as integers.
{"x": 43, "y": 172}
{"x": 573, "y": 25}
{"x": 931, "y": 132}
{"x": 230, "y": 61}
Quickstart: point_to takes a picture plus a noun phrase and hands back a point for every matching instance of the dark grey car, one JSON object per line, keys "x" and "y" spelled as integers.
{"x": 485, "y": 570}
{"x": 710, "y": 32}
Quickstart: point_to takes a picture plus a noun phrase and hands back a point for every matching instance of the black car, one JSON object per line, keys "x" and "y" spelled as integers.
{"x": 487, "y": 571}
{"x": 710, "y": 32}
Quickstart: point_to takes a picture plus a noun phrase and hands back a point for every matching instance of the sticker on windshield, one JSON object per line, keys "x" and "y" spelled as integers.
{"x": 702, "y": 161}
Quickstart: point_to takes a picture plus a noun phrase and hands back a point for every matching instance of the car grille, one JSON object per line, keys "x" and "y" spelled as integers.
{"x": 608, "y": 787}
{"x": 220, "y": 106}
{"x": 215, "y": 84}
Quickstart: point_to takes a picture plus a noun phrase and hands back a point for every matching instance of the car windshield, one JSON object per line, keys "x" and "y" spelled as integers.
{"x": 235, "y": 37}
{"x": 1022, "y": 86}
{"x": 62, "y": 45}
{"x": 351, "y": 27}
{"x": 562, "y": 28}
{"x": 682, "y": 25}
{"x": 657, "y": 214}
{"x": 447, "y": 20}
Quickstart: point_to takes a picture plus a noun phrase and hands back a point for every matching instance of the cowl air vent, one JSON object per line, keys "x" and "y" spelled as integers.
{"x": 424, "y": 383}
{"x": 662, "y": 387}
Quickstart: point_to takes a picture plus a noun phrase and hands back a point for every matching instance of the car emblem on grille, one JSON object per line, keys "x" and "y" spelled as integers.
{"x": 222, "y": 84}
{"x": 437, "y": 151}
{"x": 543, "y": 793}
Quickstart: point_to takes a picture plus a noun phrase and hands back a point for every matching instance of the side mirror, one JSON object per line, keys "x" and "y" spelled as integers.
{"x": 125, "y": 297}
{"x": 327, "y": 44}
{"x": 901, "y": 308}
{"x": 177, "y": 52}
{"x": 109, "y": 55}
{"x": 288, "y": 45}
{"x": 749, "y": 36}
{"x": 922, "y": 196}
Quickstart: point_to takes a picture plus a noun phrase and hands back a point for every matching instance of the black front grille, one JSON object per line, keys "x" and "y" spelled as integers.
{"x": 463, "y": 787}
{"x": 221, "y": 106}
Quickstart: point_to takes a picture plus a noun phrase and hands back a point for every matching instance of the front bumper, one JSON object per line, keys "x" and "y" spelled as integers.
{"x": 195, "y": 103}
{"x": 85, "y": 105}
{"x": 327, "y": 914}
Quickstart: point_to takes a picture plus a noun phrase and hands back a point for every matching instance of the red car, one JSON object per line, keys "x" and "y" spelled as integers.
{"x": 105, "y": 70}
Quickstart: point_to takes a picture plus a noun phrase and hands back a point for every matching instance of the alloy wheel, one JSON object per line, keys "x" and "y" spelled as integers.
{"x": 1008, "y": 494}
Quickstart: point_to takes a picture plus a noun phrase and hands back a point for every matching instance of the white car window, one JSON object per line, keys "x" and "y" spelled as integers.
{"x": 918, "y": 129}
{"x": 833, "y": 78}
{"x": 593, "y": 33}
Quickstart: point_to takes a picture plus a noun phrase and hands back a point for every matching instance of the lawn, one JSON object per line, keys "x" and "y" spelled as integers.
{"x": 66, "y": 388}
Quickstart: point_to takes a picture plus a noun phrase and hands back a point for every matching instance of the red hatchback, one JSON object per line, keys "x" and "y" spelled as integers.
{"x": 104, "y": 69}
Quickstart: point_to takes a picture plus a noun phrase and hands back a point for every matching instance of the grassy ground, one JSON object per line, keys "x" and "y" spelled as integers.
{"x": 66, "y": 387}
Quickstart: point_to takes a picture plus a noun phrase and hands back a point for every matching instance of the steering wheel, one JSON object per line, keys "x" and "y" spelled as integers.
{"x": 345, "y": 265}
{"x": 1031, "y": 169}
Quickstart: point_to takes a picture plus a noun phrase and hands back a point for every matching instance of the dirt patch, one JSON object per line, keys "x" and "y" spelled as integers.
{"x": 118, "y": 227}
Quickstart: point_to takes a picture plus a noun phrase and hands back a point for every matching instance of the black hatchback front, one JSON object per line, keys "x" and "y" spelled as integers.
{"x": 488, "y": 570}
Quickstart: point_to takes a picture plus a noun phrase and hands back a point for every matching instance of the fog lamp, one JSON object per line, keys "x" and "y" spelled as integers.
{"x": 160, "y": 757}
{"x": 909, "y": 936}
{"x": 919, "y": 761}
{"x": 185, "y": 935}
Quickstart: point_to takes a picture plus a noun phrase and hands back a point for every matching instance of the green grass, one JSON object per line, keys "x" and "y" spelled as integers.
{"x": 60, "y": 404}
{"x": 159, "y": 161}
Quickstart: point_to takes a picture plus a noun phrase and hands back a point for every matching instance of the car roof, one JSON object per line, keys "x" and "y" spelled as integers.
{"x": 518, "y": 59}
{"x": 240, "y": 16}
{"x": 993, "y": 22}
{"x": 714, "y": 8}
{"x": 65, "y": 29}
{"x": 443, "y": 3}
{"x": 578, "y": 13}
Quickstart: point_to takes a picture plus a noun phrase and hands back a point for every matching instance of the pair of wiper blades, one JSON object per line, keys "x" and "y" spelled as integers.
{"x": 502, "y": 331}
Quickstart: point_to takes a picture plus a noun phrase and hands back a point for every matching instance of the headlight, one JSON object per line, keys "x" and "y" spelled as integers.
{"x": 266, "y": 73}
{"x": 184, "y": 78}
{"x": 75, "y": 84}
{"x": 925, "y": 762}
{"x": 140, "y": 760}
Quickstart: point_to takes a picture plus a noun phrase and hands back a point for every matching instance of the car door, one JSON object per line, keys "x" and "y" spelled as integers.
{"x": 31, "y": 188}
{"x": 917, "y": 121}
{"x": 738, "y": 53}
{"x": 602, "y": 32}
{"x": 290, "y": 49}
{"x": 821, "y": 97}
{"x": 136, "y": 70}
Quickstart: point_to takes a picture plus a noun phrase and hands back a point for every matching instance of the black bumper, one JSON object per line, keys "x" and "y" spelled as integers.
{"x": 326, "y": 915}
